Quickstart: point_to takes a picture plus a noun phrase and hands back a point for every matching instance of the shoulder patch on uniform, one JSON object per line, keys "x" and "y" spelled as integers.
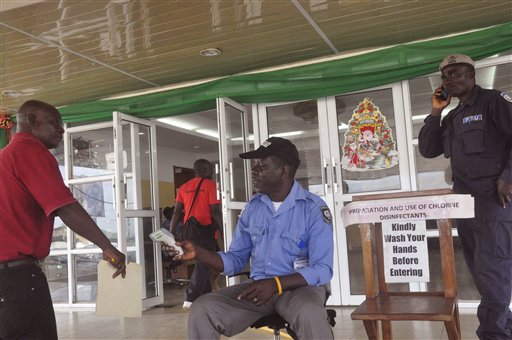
{"x": 326, "y": 213}
{"x": 507, "y": 97}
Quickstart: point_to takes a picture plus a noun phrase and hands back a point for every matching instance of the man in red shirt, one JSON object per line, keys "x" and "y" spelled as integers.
{"x": 206, "y": 208}
{"x": 32, "y": 193}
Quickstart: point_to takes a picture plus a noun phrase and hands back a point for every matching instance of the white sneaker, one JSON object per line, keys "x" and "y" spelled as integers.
{"x": 187, "y": 304}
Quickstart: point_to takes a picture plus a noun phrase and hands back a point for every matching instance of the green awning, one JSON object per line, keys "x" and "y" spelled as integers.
{"x": 304, "y": 82}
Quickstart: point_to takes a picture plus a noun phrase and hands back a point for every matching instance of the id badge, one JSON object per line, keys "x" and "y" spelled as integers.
{"x": 300, "y": 263}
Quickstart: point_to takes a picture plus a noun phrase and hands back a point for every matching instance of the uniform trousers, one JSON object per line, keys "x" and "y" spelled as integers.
{"x": 26, "y": 310}
{"x": 487, "y": 248}
{"x": 220, "y": 312}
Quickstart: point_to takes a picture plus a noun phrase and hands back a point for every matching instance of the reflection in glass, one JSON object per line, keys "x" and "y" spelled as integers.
{"x": 234, "y": 216}
{"x": 143, "y": 226}
{"x": 92, "y": 153}
{"x": 298, "y": 122}
{"x": 86, "y": 276}
{"x": 433, "y": 173}
{"x": 98, "y": 200}
{"x": 356, "y": 267}
{"x": 58, "y": 153}
{"x": 237, "y": 168}
{"x": 137, "y": 168}
{"x": 385, "y": 177}
{"x": 56, "y": 270}
{"x": 60, "y": 235}
{"x": 466, "y": 287}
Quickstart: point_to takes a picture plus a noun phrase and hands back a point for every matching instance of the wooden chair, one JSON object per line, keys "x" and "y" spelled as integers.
{"x": 383, "y": 305}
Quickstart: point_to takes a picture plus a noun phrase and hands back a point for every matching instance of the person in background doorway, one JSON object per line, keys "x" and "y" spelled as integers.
{"x": 32, "y": 194}
{"x": 167, "y": 212}
{"x": 286, "y": 233}
{"x": 477, "y": 137}
{"x": 206, "y": 208}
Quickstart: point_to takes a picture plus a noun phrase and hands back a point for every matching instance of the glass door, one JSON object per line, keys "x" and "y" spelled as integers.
{"x": 71, "y": 267}
{"x": 348, "y": 145}
{"x": 369, "y": 154}
{"x": 301, "y": 123}
{"x": 136, "y": 192}
{"x": 110, "y": 168}
{"x": 233, "y": 172}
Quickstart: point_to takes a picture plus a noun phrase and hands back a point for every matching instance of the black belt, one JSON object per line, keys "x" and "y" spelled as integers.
{"x": 18, "y": 263}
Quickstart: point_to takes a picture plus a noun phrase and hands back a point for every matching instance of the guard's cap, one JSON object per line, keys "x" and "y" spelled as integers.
{"x": 456, "y": 59}
{"x": 278, "y": 147}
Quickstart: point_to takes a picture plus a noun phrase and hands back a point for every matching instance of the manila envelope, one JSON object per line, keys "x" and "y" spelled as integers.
{"x": 119, "y": 297}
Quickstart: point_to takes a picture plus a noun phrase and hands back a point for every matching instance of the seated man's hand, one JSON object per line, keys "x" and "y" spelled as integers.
{"x": 189, "y": 250}
{"x": 259, "y": 291}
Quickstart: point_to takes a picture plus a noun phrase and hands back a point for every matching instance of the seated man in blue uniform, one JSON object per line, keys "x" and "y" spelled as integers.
{"x": 286, "y": 233}
{"x": 477, "y": 137}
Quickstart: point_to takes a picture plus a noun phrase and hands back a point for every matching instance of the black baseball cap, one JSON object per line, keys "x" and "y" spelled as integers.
{"x": 278, "y": 147}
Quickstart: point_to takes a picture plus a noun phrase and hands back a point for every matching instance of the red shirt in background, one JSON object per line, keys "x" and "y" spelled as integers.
{"x": 31, "y": 189}
{"x": 207, "y": 195}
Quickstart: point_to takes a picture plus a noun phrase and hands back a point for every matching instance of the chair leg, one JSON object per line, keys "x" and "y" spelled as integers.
{"x": 451, "y": 330}
{"x": 387, "y": 333}
{"x": 277, "y": 334}
{"x": 371, "y": 329}
{"x": 456, "y": 318}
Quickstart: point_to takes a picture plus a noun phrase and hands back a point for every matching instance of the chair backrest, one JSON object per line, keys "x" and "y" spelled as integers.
{"x": 373, "y": 249}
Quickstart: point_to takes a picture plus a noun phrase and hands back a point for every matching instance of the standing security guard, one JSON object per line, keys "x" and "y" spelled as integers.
{"x": 477, "y": 137}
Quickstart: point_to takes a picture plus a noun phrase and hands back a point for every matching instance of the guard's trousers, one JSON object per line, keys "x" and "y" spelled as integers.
{"x": 220, "y": 312}
{"x": 487, "y": 248}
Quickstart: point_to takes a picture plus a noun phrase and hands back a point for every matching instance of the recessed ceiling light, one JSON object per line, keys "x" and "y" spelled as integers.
{"x": 210, "y": 52}
{"x": 18, "y": 93}
{"x": 12, "y": 93}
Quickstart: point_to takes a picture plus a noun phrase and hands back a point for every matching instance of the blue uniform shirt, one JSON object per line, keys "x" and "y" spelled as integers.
{"x": 300, "y": 229}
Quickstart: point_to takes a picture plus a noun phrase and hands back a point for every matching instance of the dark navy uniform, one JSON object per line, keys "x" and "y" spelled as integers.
{"x": 477, "y": 137}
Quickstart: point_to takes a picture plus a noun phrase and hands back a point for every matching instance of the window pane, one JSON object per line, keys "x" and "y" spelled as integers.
{"x": 421, "y": 89}
{"x": 433, "y": 173}
{"x": 298, "y": 122}
{"x": 56, "y": 270}
{"x": 98, "y": 200}
{"x": 92, "y": 153}
{"x": 86, "y": 269}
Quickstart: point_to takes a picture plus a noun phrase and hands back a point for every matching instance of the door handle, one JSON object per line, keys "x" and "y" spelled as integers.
{"x": 217, "y": 180}
{"x": 334, "y": 177}
{"x": 231, "y": 181}
{"x": 326, "y": 183}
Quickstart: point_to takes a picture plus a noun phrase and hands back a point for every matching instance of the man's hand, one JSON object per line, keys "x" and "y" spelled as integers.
{"x": 117, "y": 259}
{"x": 504, "y": 192}
{"x": 189, "y": 250}
{"x": 259, "y": 291}
{"x": 438, "y": 104}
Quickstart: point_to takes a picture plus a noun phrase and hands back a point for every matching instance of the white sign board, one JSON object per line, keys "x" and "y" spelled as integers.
{"x": 405, "y": 251}
{"x": 409, "y": 209}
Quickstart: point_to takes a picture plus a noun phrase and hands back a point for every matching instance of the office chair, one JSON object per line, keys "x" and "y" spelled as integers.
{"x": 276, "y": 322}
{"x": 170, "y": 266}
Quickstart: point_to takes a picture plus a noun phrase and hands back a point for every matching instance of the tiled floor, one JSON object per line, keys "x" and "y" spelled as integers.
{"x": 169, "y": 322}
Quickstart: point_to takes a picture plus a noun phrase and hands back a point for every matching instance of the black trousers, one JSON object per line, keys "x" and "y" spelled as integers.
{"x": 199, "y": 283}
{"x": 487, "y": 248}
{"x": 26, "y": 310}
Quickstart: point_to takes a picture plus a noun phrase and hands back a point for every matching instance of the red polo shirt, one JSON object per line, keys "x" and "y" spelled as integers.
{"x": 31, "y": 189}
{"x": 207, "y": 195}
